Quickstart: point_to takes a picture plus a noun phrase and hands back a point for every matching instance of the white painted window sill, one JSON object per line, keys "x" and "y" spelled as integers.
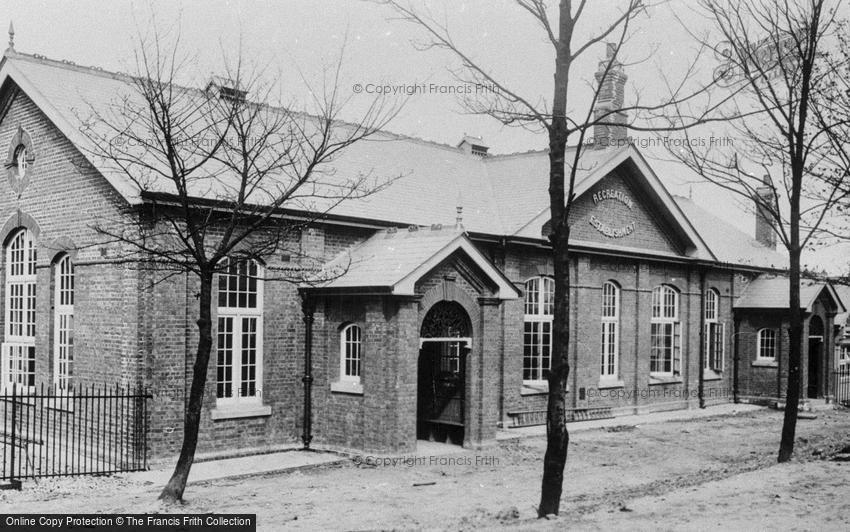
{"x": 711, "y": 375}
{"x": 349, "y": 387}
{"x": 240, "y": 411}
{"x": 610, "y": 383}
{"x": 664, "y": 379}
{"x": 765, "y": 363}
{"x": 535, "y": 388}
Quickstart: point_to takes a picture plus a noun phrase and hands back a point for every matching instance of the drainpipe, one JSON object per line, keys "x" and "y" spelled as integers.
{"x": 503, "y": 245}
{"x": 736, "y": 326}
{"x": 307, "y": 308}
{"x": 702, "y": 340}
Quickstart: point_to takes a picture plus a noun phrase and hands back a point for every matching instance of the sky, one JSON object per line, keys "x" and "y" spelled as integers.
{"x": 294, "y": 41}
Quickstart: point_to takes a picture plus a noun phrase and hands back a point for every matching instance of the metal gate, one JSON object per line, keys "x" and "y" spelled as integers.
{"x": 442, "y": 390}
{"x": 82, "y": 431}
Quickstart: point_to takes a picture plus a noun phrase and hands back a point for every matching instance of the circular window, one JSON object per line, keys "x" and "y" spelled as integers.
{"x": 20, "y": 160}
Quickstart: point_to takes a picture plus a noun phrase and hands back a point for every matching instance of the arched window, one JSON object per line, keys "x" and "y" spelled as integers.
{"x": 351, "y": 342}
{"x": 63, "y": 322}
{"x": 715, "y": 332}
{"x": 610, "y": 329}
{"x": 665, "y": 355}
{"x": 239, "y": 340}
{"x": 19, "y": 334}
{"x": 766, "y": 339}
{"x": 537, "y": 332}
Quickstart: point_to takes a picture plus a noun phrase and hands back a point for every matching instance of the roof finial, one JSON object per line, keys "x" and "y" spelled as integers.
{"x": 11, "y": 47}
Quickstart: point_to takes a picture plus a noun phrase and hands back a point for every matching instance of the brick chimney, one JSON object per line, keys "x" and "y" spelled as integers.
{"x": 611, "y": 97}
{"x": 764, "y": 221}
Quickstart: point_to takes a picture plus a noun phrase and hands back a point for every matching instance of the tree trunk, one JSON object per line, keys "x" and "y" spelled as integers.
{"x": 795, "y": 338}
{"x": 173, "y": 491}
{"x": 560, "y": 198}
{"x": 557, "y": 435}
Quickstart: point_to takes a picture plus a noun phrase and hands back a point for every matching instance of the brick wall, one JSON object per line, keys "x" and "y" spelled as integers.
{"x": 636, "y": 279}
{"x": 649, "y": 231}
{"x": 62, "y": 202}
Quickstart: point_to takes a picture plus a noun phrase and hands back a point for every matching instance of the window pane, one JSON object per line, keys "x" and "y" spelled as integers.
{"x": 351, "y": 351}
{"x": 531, "y": 296}
{"x": 548, "y": 296}
{"x": 248, "y": 382}
{"x": 530, "y": 350}
{"x": 224, "y": 358}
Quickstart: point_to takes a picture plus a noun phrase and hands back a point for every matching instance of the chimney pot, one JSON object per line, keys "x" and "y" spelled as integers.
{"x": 765, "y": 234}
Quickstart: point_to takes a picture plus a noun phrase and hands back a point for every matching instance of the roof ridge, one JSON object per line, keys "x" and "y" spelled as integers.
{"x": 71, "y": 65}
{"x": 117, "y": 75}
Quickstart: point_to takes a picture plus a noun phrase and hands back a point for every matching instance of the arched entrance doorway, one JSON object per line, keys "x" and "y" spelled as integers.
{"x": 815, "y": 362}
{"x": 444, "y": 342}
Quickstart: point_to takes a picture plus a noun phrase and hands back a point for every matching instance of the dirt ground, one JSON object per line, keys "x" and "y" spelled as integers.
{"x": 683, "y": 475}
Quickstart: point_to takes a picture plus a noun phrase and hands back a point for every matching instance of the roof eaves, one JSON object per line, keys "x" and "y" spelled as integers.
{"x": 10, "y": 71}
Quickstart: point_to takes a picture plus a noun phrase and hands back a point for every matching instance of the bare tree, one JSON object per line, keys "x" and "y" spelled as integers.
{"x": 225, "y": 177}
{"x": 789, "y": 151}
{"x": 562, "y": 123}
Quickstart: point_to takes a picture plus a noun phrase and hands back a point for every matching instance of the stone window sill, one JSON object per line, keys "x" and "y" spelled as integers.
{"x": 765, "y": 364}
{"x": 535, "y": 388}
{"x": 349, "y": 387}
{"x": 240, "y": 411}
{"x": 711, "y": 375}
{"x": 664, "y": 379}
{"x": 64, "y": 403}
{"x": 610, "y": 383}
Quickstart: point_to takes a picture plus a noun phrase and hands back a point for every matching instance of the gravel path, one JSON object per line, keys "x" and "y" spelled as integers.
{"x": 693, "y": 474}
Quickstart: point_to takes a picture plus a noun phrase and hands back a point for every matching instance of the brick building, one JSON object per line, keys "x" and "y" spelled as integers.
{"x": 440, "y": 326}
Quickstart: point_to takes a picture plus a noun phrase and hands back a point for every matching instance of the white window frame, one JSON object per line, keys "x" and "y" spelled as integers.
{"x": 539, "y": 307}
{"x": 63, "y": 323}
{"x": 610, "y": 368}
{"x": 356, "y": 345}
{"x": 760, "y": 337}
{"x": 844, "y": 354}
{"x": 714, "y": 336}
{"x": 20, "y": 275}
{"x": 665, "y": 332}
{"x": 237, "y": 315}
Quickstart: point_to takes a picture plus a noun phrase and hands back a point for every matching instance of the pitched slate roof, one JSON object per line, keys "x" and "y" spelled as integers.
{"x": 395, "y": 260}
{"x": 520, "y": 183}
{"x": 501, "y": 195}
{"x": 771, "y": 292}
{"x": 728, "y": 243}
{"x": 843, "y": 292}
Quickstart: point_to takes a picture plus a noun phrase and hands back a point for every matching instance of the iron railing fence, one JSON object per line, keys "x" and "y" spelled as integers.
{"x": 93, "y": 430}
{"x": 841, "y": 383}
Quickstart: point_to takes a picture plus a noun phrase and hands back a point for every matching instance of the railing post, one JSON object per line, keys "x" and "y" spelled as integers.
{"x": 14, "y": 483}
